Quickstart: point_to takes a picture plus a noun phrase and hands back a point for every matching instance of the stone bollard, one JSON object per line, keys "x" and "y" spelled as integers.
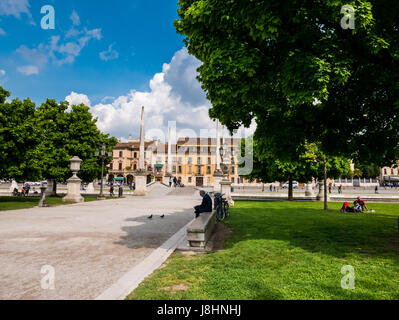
{"x": 42, "y": 201}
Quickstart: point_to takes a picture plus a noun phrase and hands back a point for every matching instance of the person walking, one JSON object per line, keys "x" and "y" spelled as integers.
{"x": 170, "y": 182}
{"x": 111, "y": 190}
{"x": 27, "y": 188}
{"x": 271, "y": 188}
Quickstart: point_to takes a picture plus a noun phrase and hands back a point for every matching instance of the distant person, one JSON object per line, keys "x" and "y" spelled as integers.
{"x": 274, "y": 189}
{"x": 271, "y": 188}
{"x": 175, "y": 182}
{"x": 205, "y": 206}
{"x": 111, "y": 190}
{"x": 360, "y": 205}
{"x": 376, "y": 189}
{"x": 27, "y": 188}
{"x": 340, "y": 189}
{"x": 170, "y": 182}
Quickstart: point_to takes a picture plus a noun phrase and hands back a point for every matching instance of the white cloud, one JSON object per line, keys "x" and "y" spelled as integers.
{"x": 14, "y": 8}
{"x": 110, "y": 54}
{"x": 59, "y": 51}
{"x": 2, "y": 32}
{"x": 174, "y": 95}
{"x": 76, "y": 99}
{"x": 75, "y": 18}
{"x": 28, "y": 70}
{"x": 2, "y": 73}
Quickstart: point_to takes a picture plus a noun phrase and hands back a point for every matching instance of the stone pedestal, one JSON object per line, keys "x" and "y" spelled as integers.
{"x": 141, "y": 184}
{"x": 225, "y": 187}
{"x": 217, "y": 178}
{"x": 14, "y": 185}
{"x": 90, "y": 188}
{"x": 50, "y": 186}
{"x": 309, "y": 190}
{"x": 74, "y": 191}
{"x": 320, "y": 196}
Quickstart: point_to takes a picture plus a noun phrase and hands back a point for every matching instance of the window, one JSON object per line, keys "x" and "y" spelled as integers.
{"x": 174, "y": 169}
{"x": 190, "y": 179}
{"x": 120, "y": 154}
{"x": 180, "y": 171}
{"x": 135, "y": 155}
{"x": 198, "y": 160}
{"x": 208, "y": 169}
{"x": 385, "y": 171}
{"x": 111, "y": 166}
{"x": 198, "y": 169}
{"x": 232, "y": 180}
{"x": 190, "y": 160}
{"x": 233, "y": 169}
{"x": 209, "y": 160}
{"x": 120, "y": 166}
{"x": 135, "y": 167}
{"x": 180, "y": 160}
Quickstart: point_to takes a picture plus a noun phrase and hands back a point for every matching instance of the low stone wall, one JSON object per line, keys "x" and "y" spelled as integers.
{"x": 201, "y": 229}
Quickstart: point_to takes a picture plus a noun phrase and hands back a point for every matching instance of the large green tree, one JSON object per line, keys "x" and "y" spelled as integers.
{"x": 291, "y": 62}
{"x": 67, "y": 133}
{"x": 18, "y": 139}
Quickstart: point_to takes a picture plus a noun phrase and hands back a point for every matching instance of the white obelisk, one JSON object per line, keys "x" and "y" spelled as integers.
{"x": 218, "y": 174}
{"x": 141, "y": 176}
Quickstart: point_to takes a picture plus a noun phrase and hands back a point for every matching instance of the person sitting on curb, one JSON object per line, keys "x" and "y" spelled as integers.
{"x": 206, "y": 205}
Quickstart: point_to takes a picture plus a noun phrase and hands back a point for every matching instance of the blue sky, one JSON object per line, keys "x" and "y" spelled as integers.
{"x": 142, "y": 33}
{"x": 114, "y": 56}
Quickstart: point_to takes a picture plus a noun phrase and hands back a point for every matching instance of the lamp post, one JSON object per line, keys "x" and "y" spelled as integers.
{"x": 102, "y": 154}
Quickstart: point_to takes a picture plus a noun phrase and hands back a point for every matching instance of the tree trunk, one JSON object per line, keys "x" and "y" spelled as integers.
{"x": 325, "y": 185}
{"x": 290, "y": 190}
{"x": 54, "y": 192}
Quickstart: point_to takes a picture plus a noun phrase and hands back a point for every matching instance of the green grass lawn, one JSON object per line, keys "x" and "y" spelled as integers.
{"x": 288, "y": 250}
{"x": 15, "y": 203}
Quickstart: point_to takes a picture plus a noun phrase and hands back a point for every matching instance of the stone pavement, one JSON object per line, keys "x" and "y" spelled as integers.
{"x": 90, "y": 246}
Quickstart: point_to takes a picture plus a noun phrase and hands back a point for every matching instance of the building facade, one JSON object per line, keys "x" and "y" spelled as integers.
{"x": 193, "y": 160}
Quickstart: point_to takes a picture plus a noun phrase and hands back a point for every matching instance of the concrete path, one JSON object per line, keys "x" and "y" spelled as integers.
{"x": 91, "y": 246}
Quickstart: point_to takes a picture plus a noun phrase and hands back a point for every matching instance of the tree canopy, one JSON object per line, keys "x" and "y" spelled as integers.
{"x": 37, "y": 142}
{"x": 292, "y": 67}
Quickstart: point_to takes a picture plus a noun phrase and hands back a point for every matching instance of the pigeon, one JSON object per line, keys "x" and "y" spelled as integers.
{"x": 163, "y": 216}
{"x": 150, "y": 217}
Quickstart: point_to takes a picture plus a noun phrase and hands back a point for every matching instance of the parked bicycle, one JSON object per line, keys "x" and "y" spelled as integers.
{"x": 221, "y": 207}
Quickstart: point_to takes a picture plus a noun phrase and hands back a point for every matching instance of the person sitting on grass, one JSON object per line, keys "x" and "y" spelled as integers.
{"x": 360, "y": 205}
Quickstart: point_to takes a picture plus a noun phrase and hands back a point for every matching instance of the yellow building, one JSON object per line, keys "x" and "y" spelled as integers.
{"x": 193, "y": 160}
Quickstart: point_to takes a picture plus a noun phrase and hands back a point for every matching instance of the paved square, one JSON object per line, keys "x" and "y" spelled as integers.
{"x": 90, "y": 245}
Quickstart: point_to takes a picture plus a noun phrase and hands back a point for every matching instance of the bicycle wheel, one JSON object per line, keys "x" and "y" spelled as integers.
{"x": 220, "y": 213}
{"x": 226, "y": 209}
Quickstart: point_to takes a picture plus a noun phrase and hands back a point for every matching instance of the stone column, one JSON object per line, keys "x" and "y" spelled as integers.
{"x": 74, "y": 183}
{"x": 141, "y": 176}
{"x": 218, "y": 174}
{"x": 169, "y": 163}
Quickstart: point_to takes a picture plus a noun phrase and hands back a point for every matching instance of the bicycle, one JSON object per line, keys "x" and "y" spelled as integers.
{"x": 221, "y": 207}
